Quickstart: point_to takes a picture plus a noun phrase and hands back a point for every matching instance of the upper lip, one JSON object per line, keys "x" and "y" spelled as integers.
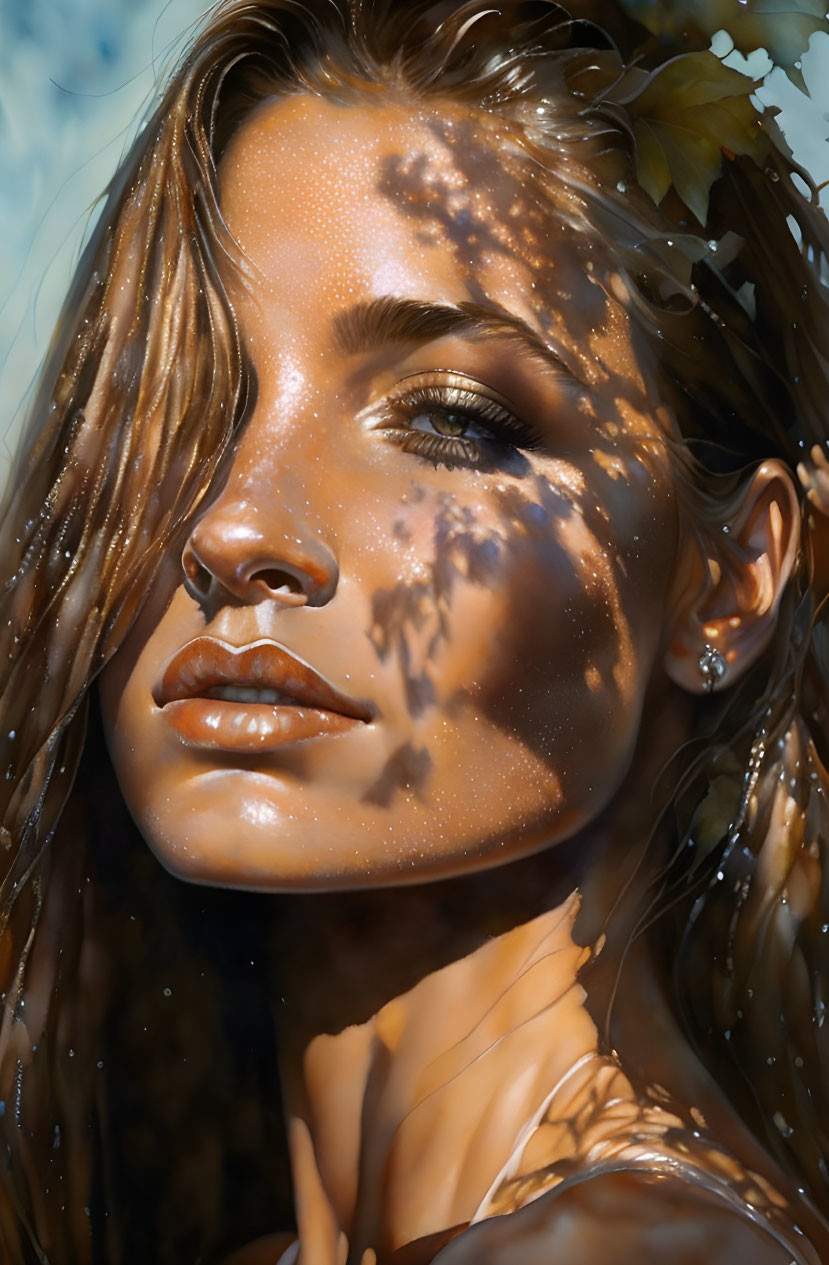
{"x": 206, "y": 662}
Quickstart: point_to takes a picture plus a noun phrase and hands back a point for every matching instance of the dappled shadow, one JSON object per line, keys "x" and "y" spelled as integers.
{"x": 406, "y": 769}
{"x": 505, "y": 216}
{"x": 564, "y": 534}
{"x": 420, "y": 608}
{"x": 487, "y": 199}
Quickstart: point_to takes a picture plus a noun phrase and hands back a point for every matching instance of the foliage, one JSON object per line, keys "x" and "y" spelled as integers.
{"x": 685, "y": 116}
{"x": 782, "y": 27}
{"x": 687, "y": 111}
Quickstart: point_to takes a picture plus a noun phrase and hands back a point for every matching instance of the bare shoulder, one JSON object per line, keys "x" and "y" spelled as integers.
{"x": 627, "y": 1218}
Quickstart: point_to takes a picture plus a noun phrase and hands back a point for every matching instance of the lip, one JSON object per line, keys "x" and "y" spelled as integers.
{"x": 207, "y": 695}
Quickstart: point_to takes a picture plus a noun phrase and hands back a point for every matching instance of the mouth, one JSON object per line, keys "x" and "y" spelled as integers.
{"x": 254, "y": 698}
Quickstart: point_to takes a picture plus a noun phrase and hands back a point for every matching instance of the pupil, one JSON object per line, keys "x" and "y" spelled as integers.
{"x": 450, "y": 423}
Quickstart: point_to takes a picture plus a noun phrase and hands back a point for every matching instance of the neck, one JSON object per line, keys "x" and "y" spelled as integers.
{"x": 423, "y": 1027}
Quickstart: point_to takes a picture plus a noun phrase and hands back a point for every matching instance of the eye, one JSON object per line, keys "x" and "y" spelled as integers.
{"x": 438, "y": 420}
{"x": 452, "y": 420}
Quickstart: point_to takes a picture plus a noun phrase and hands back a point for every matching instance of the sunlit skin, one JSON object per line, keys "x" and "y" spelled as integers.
{"x": 499, "y": 612}
{"x": 463, "y": 517}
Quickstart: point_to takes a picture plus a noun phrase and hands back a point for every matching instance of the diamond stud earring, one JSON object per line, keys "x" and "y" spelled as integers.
{"x": 712, "y": 667}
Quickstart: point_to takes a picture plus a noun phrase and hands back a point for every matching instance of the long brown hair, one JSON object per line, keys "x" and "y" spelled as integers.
{"x": 138, "y": 403}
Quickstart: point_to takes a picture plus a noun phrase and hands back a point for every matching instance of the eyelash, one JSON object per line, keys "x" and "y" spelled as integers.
{"x": 504, "y": 430}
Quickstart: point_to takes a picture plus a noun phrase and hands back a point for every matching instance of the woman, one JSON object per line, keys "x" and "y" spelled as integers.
{"x": 424, "y": 496}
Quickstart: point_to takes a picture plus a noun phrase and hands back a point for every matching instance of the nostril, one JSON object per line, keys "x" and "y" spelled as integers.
{"x": 279, "y": 582}
{"x": 227, "y": 559}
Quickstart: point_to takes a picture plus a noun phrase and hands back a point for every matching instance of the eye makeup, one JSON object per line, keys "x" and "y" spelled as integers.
{"x": 452, "y": 419}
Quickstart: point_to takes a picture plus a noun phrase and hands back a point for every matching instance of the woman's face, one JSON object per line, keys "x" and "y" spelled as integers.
{"x": 412, "y": 629}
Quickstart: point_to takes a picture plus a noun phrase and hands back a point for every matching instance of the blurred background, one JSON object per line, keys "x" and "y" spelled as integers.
{"x": 75, "y": 78}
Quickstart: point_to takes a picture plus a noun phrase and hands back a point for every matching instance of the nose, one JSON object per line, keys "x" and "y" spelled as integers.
{"x": 251, "y": 553}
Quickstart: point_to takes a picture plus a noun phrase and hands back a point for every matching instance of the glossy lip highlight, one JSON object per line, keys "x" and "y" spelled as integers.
{"x": 208, "y": 694}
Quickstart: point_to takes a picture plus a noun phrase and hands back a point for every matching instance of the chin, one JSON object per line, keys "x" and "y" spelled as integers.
{"x": 325, "y": 845}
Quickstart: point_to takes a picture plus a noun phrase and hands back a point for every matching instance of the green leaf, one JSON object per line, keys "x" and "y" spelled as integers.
{"x": 782, "y": 27}
{"x": 685, "y": 116}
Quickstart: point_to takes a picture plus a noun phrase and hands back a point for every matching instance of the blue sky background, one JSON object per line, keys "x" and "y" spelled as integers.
{"x": 75, "y": 74}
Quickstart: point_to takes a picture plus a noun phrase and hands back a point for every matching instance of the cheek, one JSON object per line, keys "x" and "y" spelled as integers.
{"x": 581, "y": 614}
{"x": 432, "y": 619}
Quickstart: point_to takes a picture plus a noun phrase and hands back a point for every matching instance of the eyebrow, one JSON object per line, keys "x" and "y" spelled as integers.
{"x": 365, "y": 326}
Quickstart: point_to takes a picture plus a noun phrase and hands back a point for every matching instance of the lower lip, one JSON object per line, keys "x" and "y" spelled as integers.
{"x": 250, "y": 727}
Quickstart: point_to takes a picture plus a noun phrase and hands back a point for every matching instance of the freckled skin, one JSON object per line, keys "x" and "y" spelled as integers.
{"x": 502, "y": 617}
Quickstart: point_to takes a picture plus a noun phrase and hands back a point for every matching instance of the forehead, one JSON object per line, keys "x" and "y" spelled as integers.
{"x": 306, "y": 182}
{"x": 369, "y": 196}
{"x": 336, "y": 205}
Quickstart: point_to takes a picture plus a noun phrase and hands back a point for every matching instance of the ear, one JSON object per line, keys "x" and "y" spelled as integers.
{"x": 729, "y": 584}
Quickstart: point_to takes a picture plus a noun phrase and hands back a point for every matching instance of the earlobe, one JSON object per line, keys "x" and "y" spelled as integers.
{"x": 724, "y": 606}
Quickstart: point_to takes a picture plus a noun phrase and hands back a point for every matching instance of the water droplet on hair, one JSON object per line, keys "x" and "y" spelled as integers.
{"x": 782, "y": 1125}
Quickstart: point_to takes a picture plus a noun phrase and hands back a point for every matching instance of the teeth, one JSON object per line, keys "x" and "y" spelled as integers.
{"x": 248, "y": 694}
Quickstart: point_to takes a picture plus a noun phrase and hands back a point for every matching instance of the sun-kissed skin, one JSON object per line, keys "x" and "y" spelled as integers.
{"x": 500, "y": 613}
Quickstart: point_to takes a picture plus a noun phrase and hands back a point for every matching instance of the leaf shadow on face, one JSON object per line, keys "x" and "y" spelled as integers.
{"x": 407, "y": 769}
{"x": 539, "y": 683}
{"x": 486, "y": 204}
{"x": 411, "y": 622}
{"x": 419, "y": 610}
{"x": 556, "y": 606}
{"x": 509, "y": 219}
